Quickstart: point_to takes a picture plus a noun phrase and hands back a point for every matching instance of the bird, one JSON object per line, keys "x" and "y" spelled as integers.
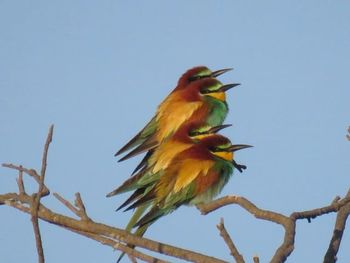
{"x": 175, "y": 109}
{"x": 193, "y": 176}
{"x": 160, "y": 157}
{"x": 203, "y": 100}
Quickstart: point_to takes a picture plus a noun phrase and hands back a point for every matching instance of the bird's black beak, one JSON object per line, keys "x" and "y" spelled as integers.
{"x": 237, "y": 147}
{"x": 220, "y": 72}
{"x": 227, "y": 87}
{"x": 221, "y": 89}
{"x": 218, "y": 128}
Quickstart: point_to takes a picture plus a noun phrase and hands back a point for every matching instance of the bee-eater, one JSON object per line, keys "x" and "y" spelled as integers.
{"x": 159, "y": 158}
{"x": 177, "y": 107}
{"x": 193, "y": 176}
{"x": 203, "y": 100}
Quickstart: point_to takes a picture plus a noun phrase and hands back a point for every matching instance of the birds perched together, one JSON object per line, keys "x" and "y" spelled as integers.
{"x": 186, "y": 161}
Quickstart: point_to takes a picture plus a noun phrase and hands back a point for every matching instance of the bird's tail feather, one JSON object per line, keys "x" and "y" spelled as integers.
{"x": 134, "y": 219}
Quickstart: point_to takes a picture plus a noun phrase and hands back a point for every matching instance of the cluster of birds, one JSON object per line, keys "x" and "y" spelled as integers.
{"x": 186, "y": 162}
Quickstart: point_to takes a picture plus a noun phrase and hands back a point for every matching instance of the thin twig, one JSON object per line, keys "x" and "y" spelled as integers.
{"x": 44, "y": 158}
{"x": 228, "y": 240}
{"x": 66, "y": 203}
{"x": 37, "y": 197}
{"x": 78, "y": 209}
{"x": 20, "y": 183}
{"x": 31, "y": 172}
{"x": 82, "y": 210}
{"x": 336, "y": 204}
{"x": 256, "y": 259}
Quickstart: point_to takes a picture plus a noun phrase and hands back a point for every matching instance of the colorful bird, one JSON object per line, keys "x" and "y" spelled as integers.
{"x": 193, "y": 176}
{"x": 177, "y": 107}
{"x": 203, "y": 100}
{"x": 159, "y": 158}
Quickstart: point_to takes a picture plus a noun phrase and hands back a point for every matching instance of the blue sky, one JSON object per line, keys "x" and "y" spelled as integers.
{"x": 98, "y": 69}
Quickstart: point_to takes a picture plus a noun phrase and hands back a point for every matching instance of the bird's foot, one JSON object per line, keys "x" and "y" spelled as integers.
{"x": 239, "y": 167}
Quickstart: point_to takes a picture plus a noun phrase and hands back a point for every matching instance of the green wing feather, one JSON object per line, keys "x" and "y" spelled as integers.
{"x": 143, "y": 162}
{"x": 149, "y": 144}
{"x": 141, "y": 137}
{"x": 143, "y": 178}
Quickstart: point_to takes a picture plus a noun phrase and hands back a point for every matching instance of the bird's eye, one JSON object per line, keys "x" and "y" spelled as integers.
{"x": 194, "y": 133}
{"x": 214, "y": 149}
{"x": 193, "y": 78}
{"x": 197, "y": 77}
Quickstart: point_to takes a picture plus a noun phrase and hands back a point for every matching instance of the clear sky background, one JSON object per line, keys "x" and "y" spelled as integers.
{"x": 98, "y": 69}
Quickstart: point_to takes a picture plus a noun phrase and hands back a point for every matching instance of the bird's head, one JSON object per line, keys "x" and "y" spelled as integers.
{"x": 221, "y": 147}
{"x": 199, "y": 72}
{"x": 213, "y": 88}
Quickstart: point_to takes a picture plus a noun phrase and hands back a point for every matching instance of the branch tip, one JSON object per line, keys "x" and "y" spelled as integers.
{"x": 229, "y": 242}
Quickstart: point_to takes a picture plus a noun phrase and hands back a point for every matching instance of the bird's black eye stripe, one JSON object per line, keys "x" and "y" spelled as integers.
{"x": 194, "y": 133}
{"x": 193, "y": 78}
{"x": 215, "y": 149}
{"x": 205, "y": 91}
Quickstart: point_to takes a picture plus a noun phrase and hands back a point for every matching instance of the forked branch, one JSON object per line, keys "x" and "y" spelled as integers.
{"x": 118, "y": 238}
{"x": 288, "y": 222}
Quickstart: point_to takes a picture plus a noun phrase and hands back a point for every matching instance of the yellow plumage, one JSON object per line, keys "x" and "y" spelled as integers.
{"x": 224, "y": 155}
{"x": 218, "y": 95}
{"x": 189, "y": 172}
{"x": 170, "y": 122}
{"x": 165, "y": 153}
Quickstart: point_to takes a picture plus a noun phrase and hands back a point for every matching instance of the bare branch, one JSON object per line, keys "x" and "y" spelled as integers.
{"x": 348, "y": 135}
{"x": 311, "y": 214}
{"x": 37, "y": 197}
{"x": 121, "y": 239}
{"x": 256, "y": 259}
{"x": 82, "y": 211}
{"x": 16, "y": 201}
{"x": 246, "y": 204}
{"x": 289, "y": 223}
{"x": 225, "y": 235}
{"x": 44, "y": 158}
{"x": 342, "y": 216}
{"x": 78, "y": 209}
{"x": 67, "y": 204}
{"x": 119, "y": 246}
{"x": 31, "y": 172}
{"x": 20, "y": 183}
{"x": 37, "y": 234}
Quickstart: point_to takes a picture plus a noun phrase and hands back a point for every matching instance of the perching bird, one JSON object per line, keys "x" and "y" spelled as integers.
{"x": 203, "y": 100}
{"x": 159, "y": 158}
{"x": 193, "y": 176}
{"x": 176, "y": 108}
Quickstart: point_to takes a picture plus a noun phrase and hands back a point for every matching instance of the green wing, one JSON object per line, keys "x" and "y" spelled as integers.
{"x": 141, "y": 137}
{"x": 140, "y": 180}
